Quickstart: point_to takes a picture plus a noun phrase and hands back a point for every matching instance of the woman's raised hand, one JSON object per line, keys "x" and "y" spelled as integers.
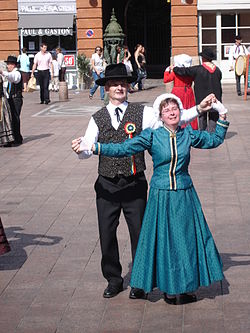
{"x": 206, "y": 103}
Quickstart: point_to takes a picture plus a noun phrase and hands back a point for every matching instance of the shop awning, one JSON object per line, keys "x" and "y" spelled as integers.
{"x": 39, "y": 25}
{"x": 45, "y": 21}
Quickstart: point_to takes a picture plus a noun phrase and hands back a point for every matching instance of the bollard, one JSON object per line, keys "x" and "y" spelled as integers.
{"x": 63, "y": 91}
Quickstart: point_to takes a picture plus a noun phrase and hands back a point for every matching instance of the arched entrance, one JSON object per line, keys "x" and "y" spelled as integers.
{"x": 148, "y": 23}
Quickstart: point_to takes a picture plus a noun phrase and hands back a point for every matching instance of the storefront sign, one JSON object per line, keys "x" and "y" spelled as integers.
{"x": 69, "y": 60}
{"x": 47, "y": 32}
{"x": 89, "y": 33}
{"x": 46, "y": 9}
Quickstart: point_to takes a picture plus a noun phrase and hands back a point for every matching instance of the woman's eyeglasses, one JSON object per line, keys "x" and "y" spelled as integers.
{"x": 170, "y": 110}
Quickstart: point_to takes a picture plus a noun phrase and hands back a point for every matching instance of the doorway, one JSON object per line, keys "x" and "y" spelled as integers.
{"x": 148, "y": 23}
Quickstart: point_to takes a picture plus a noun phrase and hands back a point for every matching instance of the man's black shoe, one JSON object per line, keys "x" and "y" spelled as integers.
{"x": 47, "y": 102}
{"x": 136, "y": 293}
{"x": 42, "y": 102}
{"x": 239, "y": 93}
{"x": 112, "y": 290}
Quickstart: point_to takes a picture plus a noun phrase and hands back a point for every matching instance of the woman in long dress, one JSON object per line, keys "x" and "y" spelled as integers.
{"x": 182, "y": 87}
{"x": 176, "y": 251}
{"x": 6, "y": 132}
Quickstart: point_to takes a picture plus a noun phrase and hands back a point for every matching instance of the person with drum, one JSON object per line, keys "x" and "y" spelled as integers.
{"x": 237, "y": 60}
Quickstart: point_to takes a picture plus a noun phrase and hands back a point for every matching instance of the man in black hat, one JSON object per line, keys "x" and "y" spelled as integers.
{"x": 121, "y": 184}
{"x": 14, "y": 95}
{"x": 235, "y": 51}
{"x": 207, "y": 80}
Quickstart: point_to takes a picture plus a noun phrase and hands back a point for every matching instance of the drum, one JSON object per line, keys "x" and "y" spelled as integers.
{"x": 241, "y": 65}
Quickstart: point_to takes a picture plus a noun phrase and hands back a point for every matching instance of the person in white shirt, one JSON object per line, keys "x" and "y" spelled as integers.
{"x": 97, "y": 65}
{"x": 14, "y": 96}
{"x": 43, "y": 63}
{"x": 55, "y": 74}
{"x": 121, "y": 184}
{"x": 61, "y": 63}
{"x": 237, "y": 50}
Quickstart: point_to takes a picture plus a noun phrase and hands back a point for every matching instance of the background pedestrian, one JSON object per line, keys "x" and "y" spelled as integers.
{"x": 24, "y": 61}
{"x": 61, "y": 64}
{"x": 55, "y": 74}
{"x": 43, "y": 63}
{"x": 97, "y": 65}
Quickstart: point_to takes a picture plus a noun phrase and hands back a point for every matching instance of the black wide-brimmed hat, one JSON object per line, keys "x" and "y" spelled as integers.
{"x": 207, "y": 53}
{"x": 115, "y": 72}
{"x": 238, "y": 37}
{"x": 11, "y": 60}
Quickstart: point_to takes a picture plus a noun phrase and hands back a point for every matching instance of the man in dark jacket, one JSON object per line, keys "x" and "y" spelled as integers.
{"x": 207, "y": 80}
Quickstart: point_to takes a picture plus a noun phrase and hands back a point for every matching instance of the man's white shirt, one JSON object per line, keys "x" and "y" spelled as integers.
{"x": 12, "y": 77}
{"x": 235, "y": 52}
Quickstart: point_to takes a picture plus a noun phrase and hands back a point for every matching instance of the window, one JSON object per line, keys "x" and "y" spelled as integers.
{"x": 217, "y": 31}
{"x": 208, "y": 31}
{"x": 231, "y": 25}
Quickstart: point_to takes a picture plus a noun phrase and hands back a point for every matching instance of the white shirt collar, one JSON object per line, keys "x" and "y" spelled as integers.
{"x": 123, "y": 106}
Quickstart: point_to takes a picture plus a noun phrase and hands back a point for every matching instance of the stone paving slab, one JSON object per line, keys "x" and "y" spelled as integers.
{"x": 51, "y": 281}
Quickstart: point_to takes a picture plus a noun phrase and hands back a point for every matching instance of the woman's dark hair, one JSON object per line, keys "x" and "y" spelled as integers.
{"x": 137, "y": 46}
{"x": 167, "y": 101}
{"x": 24, "y": 49}
{"x": 98, "y": 47}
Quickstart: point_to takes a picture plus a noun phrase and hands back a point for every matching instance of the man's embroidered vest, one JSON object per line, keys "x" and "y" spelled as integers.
{"x": 112, "y": 166}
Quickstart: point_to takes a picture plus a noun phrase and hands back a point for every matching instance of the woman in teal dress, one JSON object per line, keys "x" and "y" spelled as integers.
{"x": 176, "y": 252}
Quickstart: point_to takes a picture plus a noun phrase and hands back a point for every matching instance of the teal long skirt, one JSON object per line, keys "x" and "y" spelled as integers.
{"x": 176, "y": 252}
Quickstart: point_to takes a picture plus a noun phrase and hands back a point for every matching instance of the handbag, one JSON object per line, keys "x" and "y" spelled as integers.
{"x": 128, "y": 65}
{"x": 142, "y": 74}
{"x": 31, "y": 84}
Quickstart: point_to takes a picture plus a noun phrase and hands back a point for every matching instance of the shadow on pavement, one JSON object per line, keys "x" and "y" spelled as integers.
{"x": 18, "y": 241}
{"x": 230, "y": 134}
{"x": 36, "y": 137}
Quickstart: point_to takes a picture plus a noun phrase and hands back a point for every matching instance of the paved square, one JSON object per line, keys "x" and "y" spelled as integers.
{"x": 51, "y": 281}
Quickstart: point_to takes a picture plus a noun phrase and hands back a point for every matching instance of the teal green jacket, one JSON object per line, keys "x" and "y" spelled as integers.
{"x": 170, "y": 152}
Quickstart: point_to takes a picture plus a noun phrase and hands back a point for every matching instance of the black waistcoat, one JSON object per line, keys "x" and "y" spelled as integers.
{"x": 15, "y": 89}
{"x": 112, "y": 166}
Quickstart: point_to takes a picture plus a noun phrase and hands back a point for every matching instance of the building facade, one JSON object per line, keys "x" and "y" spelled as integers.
{"x": 164, "y": 27}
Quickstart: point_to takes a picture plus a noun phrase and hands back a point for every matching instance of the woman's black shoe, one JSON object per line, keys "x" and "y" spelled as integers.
{"x": 136, "y": 293}
{"x": 170, "y": 300}
{"x": 187, "y": 298}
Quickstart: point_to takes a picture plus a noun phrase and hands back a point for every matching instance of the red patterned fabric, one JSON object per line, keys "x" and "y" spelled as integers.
{"x": 4, "y": 245}
{"x": 183, "y": 89}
